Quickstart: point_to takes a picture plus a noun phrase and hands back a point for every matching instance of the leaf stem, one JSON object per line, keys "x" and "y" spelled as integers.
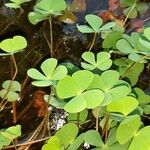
{"x": 127, "y": 16}
{"x": 93, "y": 41}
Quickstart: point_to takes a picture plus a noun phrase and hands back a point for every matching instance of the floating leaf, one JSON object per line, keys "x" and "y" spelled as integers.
{"x": 128, "y": 128}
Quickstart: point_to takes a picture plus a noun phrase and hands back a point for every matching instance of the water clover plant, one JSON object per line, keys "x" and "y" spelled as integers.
{"x": 102, "y": 62}
{"x": 9, "y": 91}
{"x": 110, "y": 84}
{"x": 45, "y": 8}
{"x": 15, "y": 3}
{"x": 13, "y": 45}
{"x": 133, "y": 8}
{"x": 129, "y": 69}
{"x": 95, "y": 23}
{"x": 61, "y": 140}
{"x": 75, "y": 87}
{"x": 51, "y": 73}
{"x": 9, "y": 134}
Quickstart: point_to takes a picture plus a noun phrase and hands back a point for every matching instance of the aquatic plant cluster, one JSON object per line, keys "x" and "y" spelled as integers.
{"x": 104, "y": 105}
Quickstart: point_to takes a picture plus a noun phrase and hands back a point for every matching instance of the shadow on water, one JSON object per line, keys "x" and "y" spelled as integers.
{"x": 69, "y": 44}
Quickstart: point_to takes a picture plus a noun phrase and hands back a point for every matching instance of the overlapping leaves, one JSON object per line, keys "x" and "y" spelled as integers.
{"x": 62, "y": 138}
{"x": 7, "y": 135}
{"x": 137, "y": 48}
{"x": 102, "y": 61}
{"x": 75, "y": 87}
{"x": 51, "y": 72}
{"x": 44, "y": 8}
{"x": 110, "y": 84}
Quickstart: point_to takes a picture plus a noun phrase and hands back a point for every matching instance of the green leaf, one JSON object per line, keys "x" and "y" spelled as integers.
{"x": 14, "y": 44}
{"x": 147, "y": 33}
{"x": 94, "y": 21}
{"x": 76, "y": 143}
{"x": 73, "y": 117}
{"x": 93, "y": 98}
{"x": 107, "y": 26}
{"x": 53, "y": 143}
{"x": 128, "y": 128}
{"x": 126, "y": 3}
{"x": 59, "y": 73}
{"x": 131, "y": 12}
{"x": 75, "y": 105}
{"x": 50, "y": 6}
{"x": 108, "y": 79}
{"x": 141, "y": 96}
{"x": 84, "y": 29}
{"x": 111, "y": 39}
{"x": 144, "y": 45}
{"x": 142, "y": 8}
{"x": 141, "y": 139}
{"x": 35, "y": 74}
{"x": 12, "y": 132}
{"x": 67, "y": 87}
{"x": 12, "y": 5}
{"x": 55, "y": 102}
{"x": 35, "y": 17}
{"x": 67, "y": 134}
{"x": 41, "y": 83}
{"x": 137, "y": 58}
{"x": 81, "y": 76}
{"x": 124, "y": 46}
{"x": 93, "y": 138}
{"x": 15, "y": 85}
{"x": 48, "y": 67}
{"x": 103, "y": 61}
{"x": 125, "y": 105}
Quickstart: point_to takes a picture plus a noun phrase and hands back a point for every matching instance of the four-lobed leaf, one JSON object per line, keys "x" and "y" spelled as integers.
{"x": 51, "y": 72}
{"x": 101, "y": 62}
